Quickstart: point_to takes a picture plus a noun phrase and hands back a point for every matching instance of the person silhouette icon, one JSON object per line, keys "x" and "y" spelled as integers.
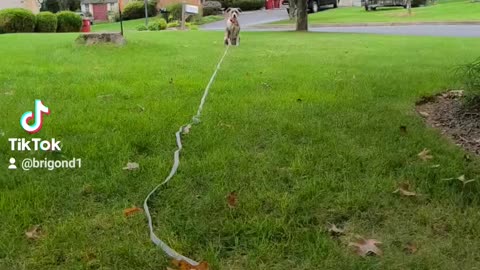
{"x": 12, "y": 164}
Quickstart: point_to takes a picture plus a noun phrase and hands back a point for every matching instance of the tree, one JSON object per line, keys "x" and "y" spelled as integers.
{"x": 58, "y": 5}
{"x": 302, "y": 15}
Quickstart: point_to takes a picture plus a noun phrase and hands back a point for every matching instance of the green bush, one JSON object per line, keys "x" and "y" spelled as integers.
{"x": 245, "y": 5}
{"x": 141, "y": 27}
{"x": 157, "y": 25}
{"x": 136, "y": 10}
{"x": 46, "y": 22}
{"x": 175, "y": 12}
{"x": 471, "y": 72}
{"x": 173, "y": 24}
{"x": 212, "y": 8}
{"x": 16, "y": 20}
{"x": 69, "y": 22}
{"x": 417, "y": 3}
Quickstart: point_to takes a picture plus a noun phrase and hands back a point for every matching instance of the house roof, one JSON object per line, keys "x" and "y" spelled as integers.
{"x": 98, "y": 1}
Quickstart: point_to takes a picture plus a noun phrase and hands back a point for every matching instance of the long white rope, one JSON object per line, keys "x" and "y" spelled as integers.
{"x": 176, "y": 162}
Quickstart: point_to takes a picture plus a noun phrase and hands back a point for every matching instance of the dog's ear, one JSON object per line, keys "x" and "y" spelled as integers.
{"x": 228, "y": 10}
{"x": 239, "y": 10}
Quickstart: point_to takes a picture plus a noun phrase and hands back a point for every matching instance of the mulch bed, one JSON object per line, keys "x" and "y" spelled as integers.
{"x": 447, "y": 113}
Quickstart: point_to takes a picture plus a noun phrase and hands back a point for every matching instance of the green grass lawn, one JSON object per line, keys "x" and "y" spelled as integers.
{"x": 131, "y": 25}
{"x": 304, "y": 137}
{"x": 443, "y": 11}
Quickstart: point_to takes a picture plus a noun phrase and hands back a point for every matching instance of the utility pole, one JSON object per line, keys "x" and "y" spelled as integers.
{"x": 146, "y": 13}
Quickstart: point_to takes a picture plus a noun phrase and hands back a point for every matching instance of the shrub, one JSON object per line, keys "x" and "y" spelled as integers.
{"x": 46, "y": 22}
{"x": 417, "y": 3}
{"x": 175, "y": 11}
{"x": 141, "y": 27}
{"x": 68, "y": 22}
{"x": 471, "y": 73}
{"x": 157, "y": 25}
{"x": 173, "y": 24}
{"x": 212, "y": 8}
{"x": 16, "y": 20}
{"x": 136, "y": 10}
{"x": 245, "y": 5}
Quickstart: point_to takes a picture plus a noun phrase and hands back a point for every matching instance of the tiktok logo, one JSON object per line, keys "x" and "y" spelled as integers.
{"x": 37, "y": 115}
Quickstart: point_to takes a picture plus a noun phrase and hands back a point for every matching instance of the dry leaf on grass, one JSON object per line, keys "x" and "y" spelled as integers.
{"x": 33, "y": 233}
{"x": 130, "y": 211}
{"x": 131, "y": 166}
{"x": 232, "y": 199}
{"x": 424, "y": 114}
{"x": 425, "y": 155}
{"x": 186, "y": 129}
{"x": 462, "y": 179}
{"x": 365, "y": 247}
{"x": 404, "y": 190}
{"x": 183, "y": 265}
{"x": 334, "y": 230}
{"x": 410, "y": 248}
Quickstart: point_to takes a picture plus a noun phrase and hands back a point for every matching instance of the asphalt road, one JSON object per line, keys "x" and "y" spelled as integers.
{"x": 250, "y": 21}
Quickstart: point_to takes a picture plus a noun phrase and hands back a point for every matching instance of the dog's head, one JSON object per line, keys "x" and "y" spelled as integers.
{"x": 233, "y": 13}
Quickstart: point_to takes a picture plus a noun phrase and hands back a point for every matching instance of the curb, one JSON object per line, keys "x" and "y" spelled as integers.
{"x": 288, "y": 26}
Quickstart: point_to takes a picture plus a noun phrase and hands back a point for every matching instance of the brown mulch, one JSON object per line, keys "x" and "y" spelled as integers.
{"x": 447, "y": 113}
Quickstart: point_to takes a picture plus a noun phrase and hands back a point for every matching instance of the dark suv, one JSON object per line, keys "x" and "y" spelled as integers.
{"x": 313, "y": 5}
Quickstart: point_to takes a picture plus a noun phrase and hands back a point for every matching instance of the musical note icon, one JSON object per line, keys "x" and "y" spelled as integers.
{"x": 40, "y": 109}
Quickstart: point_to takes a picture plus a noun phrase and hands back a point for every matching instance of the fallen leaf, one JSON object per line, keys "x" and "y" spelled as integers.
{"x": 424, "y": 114}
{"x": 410, "y": 248}
{"x": 130, "y": 211}
{"x": 186, "y": 129}
{"x": 365, "y": 247}
{"x": 232, "y": 199}
{"x": 335, "y": 231}
{"x": 33, "y": 233}
{"x": 425, "y": 155}
{"x": 183, "y": 265}
{"x": 131, "y": 166}
{"x": 404, "y": 190}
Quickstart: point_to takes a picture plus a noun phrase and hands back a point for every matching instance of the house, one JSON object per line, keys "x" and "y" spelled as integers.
{"x": 33, "y": 5}
{"x": 100, "y": 9}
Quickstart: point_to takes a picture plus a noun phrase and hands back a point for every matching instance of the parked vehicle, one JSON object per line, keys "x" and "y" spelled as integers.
{"x": 314, "y": 5}
{"x": 84, "y": 16}
{"x": 373, "y": 4}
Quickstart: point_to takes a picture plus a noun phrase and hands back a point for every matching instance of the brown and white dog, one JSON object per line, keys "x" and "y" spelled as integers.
{"x": 232, "y": 32}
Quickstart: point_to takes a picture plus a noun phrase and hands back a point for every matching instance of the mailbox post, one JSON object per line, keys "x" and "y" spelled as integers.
{"x": 187, "y": 10}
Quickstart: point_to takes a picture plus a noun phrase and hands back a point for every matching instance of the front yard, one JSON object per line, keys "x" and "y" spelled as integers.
{"x": 443, "y": 11}
{"x": 306, "y": 132}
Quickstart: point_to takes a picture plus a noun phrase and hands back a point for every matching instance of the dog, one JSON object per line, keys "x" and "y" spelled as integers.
{"x": 232, "y": 32}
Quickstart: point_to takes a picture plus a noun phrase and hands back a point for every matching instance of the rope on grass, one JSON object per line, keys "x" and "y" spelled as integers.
{"x": 176, "y": 162}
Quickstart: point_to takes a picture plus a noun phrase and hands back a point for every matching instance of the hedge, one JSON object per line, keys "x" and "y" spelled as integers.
{"x": 69, "y": 22}
{"x": 16, "y": 20}
{"x": 46, "y": 22}
{"x": 212, "y": 8}
{"x": 136, "y": 10}
{"x": 243, "y": 4}
{"x": 157, "y": 25}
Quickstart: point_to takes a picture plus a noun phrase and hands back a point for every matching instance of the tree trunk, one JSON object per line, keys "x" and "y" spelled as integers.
{"x": 409, "y": 7}
{"x": 292, "y": 9}
{"x": 302, "y": 15}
